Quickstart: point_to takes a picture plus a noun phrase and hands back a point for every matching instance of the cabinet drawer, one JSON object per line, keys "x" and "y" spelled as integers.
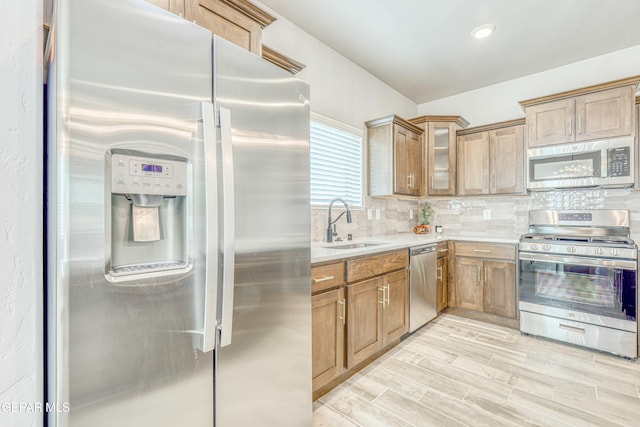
{"x": 486, "y": 250}
{"x": 361, "y": 268}
{"x": 327, "y": 276}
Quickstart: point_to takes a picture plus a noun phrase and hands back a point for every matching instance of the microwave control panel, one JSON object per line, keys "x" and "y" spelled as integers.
{"x": 619, "y": 161}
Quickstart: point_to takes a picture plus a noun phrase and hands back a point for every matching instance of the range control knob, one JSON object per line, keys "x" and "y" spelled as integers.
{"x": 615, "y": 252}
{"x": 546, "y": 247}
{"x": 598, "y": 251}
{"x": 571, "y": 249}
{"x": 534, "y": 247}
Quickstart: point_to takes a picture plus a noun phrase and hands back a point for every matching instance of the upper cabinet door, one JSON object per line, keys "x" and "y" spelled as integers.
{"x": 414, "y": 163}
{"x": 473, "y": 164}
{"x": 605, "y": 114}
{"x": 441, "y": 156}
{"x": 401, "y": 173}
{"x": 551, "y": 122}
{"x": 394, "y": 154}
{"x": 507, "y": 160}
{"x": 238, "y": 21}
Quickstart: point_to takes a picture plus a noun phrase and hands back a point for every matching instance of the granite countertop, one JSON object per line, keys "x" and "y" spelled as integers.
{"x": 323, "y": 252}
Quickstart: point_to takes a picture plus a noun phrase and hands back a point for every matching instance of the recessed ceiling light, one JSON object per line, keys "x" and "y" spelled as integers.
{"x": 483, "y": 31}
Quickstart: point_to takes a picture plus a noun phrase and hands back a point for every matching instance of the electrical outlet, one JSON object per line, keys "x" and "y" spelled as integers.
{"x": 369, "y": 214}
{"x": 410, "y": 213}
{"x": 486, "y": 214}
{"x": 378, "y": 213}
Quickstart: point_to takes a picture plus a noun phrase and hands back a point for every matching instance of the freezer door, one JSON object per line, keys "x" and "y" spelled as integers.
{"x": 263, "y": 371}
{"x": 123, "y": 75}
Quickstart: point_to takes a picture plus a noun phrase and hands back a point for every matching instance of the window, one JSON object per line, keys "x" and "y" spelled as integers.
{"x": 336, "y": 162}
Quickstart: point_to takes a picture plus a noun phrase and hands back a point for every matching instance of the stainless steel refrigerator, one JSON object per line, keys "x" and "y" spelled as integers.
{"x": 178, "y": 289}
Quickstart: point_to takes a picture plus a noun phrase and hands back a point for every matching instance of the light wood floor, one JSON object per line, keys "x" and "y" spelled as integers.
{"x": 457, "y": 371}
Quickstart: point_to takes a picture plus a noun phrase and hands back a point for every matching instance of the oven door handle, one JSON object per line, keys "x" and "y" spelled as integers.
{"x": 573, "y": 260}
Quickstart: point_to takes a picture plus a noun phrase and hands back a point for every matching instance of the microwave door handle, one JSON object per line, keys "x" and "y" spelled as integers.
{"x": 228, "y": 245}
{"x": 208, "y": 339}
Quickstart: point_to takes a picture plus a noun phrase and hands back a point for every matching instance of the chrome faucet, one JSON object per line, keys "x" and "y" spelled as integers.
{"x": 332, "y": 231}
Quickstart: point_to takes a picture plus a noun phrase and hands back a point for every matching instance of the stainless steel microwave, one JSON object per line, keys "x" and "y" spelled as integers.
{"x": 605, "y": 163}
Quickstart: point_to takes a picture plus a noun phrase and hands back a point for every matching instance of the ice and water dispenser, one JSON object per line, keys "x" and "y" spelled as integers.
{"x": 149, "y": 218}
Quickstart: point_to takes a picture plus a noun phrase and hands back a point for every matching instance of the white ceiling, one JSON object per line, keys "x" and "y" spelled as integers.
{"x": 423, "y": 48}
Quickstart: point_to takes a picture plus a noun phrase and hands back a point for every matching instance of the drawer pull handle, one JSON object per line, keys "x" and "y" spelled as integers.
{"x": 572, "y": 328}
{"x": 443, "y": 250}
{"x": 484, "y": 251}
{"x": 323, "y": 279}
{"x": 383, "y": 294}
{"x": 439, "y": 274}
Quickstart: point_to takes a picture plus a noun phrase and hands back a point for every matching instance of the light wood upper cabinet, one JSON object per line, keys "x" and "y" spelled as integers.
{"x": 551, "y": 123}
{"x": 440, "y": 153}
{"x": 506, "y": 160}
{"x": 394, "y": 150}
{"x": 473, "y": 164}
{"x": 601, "y": 111}
{"x": 491, "y": 159}
{"x": 407, "y": 148}
{"x": 238, "y": 21}
{"x": 605, "y": 114}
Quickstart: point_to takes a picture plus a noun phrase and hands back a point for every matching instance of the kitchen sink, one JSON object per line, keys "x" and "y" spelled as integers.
{"x": 353, "y": 245}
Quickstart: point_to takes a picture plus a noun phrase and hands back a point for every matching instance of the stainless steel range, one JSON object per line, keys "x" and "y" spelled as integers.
{"x": 578, "y": 279}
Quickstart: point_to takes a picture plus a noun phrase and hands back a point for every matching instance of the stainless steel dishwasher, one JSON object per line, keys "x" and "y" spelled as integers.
{"x": 423, "y": 285}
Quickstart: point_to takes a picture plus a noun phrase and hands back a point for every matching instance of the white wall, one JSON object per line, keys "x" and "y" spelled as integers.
{"x": 340, "y": 89}
{"x": 21, "y": 349}
{"x": 499, "y": 102}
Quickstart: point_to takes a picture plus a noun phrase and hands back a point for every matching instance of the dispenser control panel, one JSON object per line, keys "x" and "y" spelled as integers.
{"x": 148, "y": 175}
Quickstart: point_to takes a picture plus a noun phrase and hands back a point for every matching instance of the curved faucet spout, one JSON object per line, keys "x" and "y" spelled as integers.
{"x": 330, "y": 232}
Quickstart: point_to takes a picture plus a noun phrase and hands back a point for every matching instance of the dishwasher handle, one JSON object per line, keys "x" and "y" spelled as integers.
{"x": 423, "y": 249}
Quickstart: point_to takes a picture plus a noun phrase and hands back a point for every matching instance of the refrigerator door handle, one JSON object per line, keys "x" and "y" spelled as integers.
{"x": 208, "y": 341}
{"x": 228, "y": 245}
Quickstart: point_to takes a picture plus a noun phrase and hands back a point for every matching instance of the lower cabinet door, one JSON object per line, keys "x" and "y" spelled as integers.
{"x": 328, "y": 322}
{"x": 395, "y": 319}
{"x": 499, "y": 288}
{"x": 364, "y": 320}
{"x": 469, "y": 283}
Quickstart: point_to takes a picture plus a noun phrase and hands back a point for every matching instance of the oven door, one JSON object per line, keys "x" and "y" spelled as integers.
{"x": 605, "y": 289}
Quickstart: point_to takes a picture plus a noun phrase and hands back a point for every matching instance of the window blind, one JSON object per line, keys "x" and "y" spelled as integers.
{"x": 336, "y": 162}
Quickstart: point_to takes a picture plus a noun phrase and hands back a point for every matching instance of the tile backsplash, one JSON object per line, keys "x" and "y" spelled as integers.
{"x": 508, "y": 215}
